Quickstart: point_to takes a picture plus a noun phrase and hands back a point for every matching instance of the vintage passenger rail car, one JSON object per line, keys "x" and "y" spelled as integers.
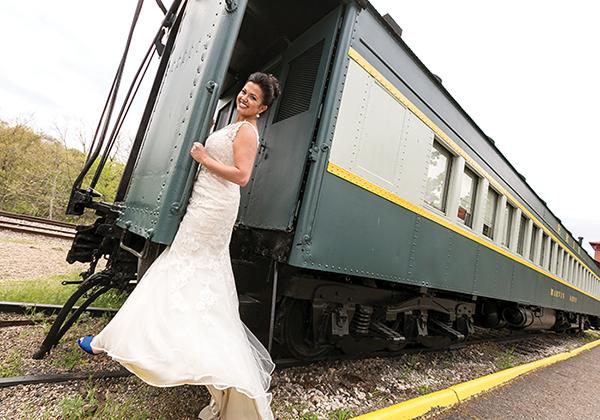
{"x": 378, "y": 215}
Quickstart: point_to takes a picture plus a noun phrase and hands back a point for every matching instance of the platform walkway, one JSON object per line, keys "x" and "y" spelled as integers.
{"x": 565, "y": 390}
{"x": 564, "y": 386}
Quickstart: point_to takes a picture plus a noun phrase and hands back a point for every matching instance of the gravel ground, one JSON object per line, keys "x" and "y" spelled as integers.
{"x": 19, "y": 250}
{"x": 324, "y": 390}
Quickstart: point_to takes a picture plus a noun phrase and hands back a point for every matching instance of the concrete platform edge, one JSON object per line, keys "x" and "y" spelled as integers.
{"x": 446, "y": 398}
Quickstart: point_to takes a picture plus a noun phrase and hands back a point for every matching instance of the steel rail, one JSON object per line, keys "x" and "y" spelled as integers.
{"x": 22, "y": 308}
{"x": 64, "y": 377}
{"x": 36, "y": 225}
{"x": 37, "y": 220}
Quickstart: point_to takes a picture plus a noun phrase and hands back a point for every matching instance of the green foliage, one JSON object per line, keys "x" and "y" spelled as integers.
{"x": 424, "y": 389}
{"x": 37, "y": 173}
{"x": 300, "y": 412}
{"x": 51, "y": 291}
{"x": 70, "y": 358}
{"x": 589, "y": 336}
{"x": 12, "y": 366}
{"x": 93, "y": 405}
{"x": 507, "y": 359}
{"x": 340, "y": 414}
{"x": 410, "y": 367}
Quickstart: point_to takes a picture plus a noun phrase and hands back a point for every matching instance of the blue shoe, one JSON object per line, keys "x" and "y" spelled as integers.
{"x": 86, "y": 345}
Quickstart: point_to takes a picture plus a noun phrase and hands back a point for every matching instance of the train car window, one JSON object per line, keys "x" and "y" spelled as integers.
{"x": 543, "y": 251}
{"x": 489, "y": 218}
{"x": 565, "y": 262}
{"x": 534, "y": 241}
{"x": 438, "y": 175}
{"x": 466, "y": 201}
{"x": 557, "y": 262}
{"x": 553, "y": 255}
{"x": 509, "y": 212}
{"x": 522, "y": 231}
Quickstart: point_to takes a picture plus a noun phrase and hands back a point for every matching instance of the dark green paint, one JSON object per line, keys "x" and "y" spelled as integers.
{"x": 165, "y": 171}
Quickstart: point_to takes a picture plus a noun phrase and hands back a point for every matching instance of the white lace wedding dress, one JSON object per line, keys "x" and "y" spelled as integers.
{"x": 181, "y": 324}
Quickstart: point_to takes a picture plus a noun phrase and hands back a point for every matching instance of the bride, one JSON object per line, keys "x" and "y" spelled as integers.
{"x": 181, "y": 324}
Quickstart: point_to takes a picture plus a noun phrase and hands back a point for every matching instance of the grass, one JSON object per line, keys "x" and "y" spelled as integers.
{"x": 300, "y": 412}
{"x": 424, "y": 389}
{"x": 51, "y": 291}
{"x": 507, "y": 359}
{"x": 448, "y": 363}
{"x": 13, "y": 365}
{"x": 589, "y": 336}
{"x": 70, "y": 358}
{"x": 18, "y": 240}
{"x": 410, "y": 367}
{"x": 340, "y": 414}
{"x": 101, "y": 407}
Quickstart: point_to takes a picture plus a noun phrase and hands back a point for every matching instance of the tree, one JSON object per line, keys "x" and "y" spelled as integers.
{"x": 37, "y": 172}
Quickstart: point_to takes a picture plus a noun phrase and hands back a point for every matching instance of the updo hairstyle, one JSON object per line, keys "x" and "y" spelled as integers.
{"x": 268, "y": 84}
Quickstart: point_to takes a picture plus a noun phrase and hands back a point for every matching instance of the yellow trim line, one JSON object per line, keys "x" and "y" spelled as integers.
{"x": 448, "y": 397}
{"x": 369, "y": 186}
{"x": 369, "y": 68}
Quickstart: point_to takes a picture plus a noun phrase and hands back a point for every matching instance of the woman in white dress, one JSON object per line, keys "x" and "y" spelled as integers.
{"x": 181, "y": 324}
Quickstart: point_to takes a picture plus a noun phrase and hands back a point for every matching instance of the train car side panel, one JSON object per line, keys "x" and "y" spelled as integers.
{"x": 345, "y": 213}
{"x": 491, "y": 273}
{"x": 423, "y": 244}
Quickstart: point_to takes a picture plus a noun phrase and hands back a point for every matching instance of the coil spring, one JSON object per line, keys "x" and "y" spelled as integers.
{"x": 361, "y": 320}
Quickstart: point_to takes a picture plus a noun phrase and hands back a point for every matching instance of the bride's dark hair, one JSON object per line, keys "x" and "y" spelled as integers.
{"x": 268, "y": 84}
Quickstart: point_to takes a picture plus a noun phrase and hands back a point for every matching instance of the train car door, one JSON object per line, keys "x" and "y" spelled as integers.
{"x": 269, "y": 201}
{"x": 162, "y": 179}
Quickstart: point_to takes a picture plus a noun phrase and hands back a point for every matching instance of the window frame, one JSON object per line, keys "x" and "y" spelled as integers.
{"x": 439, "y": 147}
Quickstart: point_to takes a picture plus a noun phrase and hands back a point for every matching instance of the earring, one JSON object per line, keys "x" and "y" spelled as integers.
{"x": 257, "y": 116}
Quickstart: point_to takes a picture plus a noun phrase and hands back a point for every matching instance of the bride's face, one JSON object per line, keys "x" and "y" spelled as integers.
{"x": 249, "y": 100}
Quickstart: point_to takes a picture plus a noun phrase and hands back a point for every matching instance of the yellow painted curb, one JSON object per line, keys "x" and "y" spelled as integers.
{"x": 416, "y": 407}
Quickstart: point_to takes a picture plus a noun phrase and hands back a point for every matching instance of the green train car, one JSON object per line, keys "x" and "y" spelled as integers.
{"x": 378, "y": 215}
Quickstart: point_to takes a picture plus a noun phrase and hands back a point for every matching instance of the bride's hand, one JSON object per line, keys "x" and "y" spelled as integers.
{"x": 198, "y": 153}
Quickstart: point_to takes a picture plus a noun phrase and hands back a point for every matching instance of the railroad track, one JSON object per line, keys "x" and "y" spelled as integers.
{"x": 36, "y": 225}
{"x": 480, "y": 336}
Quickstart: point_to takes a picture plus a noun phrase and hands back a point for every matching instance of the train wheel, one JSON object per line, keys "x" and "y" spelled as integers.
{"x": 297, "y": 330}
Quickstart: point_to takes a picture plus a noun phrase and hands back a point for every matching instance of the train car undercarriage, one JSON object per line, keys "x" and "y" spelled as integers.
{"x": 316, "y": 316}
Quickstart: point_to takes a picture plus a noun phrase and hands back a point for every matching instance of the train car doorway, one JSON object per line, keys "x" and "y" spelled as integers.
{"x": 269, "y": 201}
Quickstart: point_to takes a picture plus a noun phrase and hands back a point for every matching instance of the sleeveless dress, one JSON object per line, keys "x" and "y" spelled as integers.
{"x": 181, "y": 324}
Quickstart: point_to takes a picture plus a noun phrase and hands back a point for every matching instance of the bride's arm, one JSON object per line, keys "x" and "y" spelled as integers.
{"x": 244, "y": 152}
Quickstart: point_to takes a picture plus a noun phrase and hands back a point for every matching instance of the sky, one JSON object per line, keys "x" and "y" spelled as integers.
{"x": 527, "y": 72}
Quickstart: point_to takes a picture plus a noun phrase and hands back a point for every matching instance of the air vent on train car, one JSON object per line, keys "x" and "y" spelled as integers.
{"x": 300, "y": 83}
